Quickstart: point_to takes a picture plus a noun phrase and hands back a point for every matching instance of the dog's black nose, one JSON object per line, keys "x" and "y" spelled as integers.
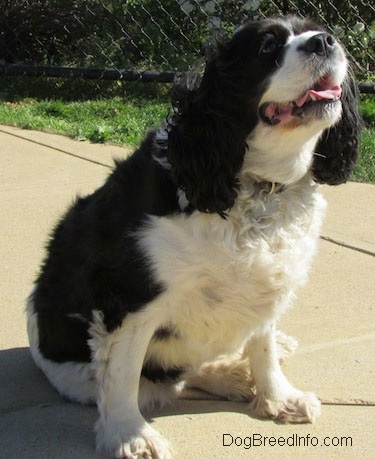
{"x": 321, "y": 44}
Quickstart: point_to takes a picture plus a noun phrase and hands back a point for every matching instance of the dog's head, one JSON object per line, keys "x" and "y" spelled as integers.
{"x": 275, "y": 100}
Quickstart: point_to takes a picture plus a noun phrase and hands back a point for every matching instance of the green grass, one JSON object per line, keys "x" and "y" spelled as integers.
{"x": 368, "y": 110}
{"x": 364, "y": 170}
{"x": 125, "y": 119}
{"x": 109, "y": 120}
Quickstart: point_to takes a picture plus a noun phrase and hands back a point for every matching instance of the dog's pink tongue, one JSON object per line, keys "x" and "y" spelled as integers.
{"x": 329, "y": 94}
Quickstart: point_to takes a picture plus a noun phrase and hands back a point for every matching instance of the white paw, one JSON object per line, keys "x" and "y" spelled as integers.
{"x": 296, "y": 407}
{"x": 147, "y": 444}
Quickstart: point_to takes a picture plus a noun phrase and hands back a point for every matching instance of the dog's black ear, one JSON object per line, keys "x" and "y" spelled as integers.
{"x": 337, "y": 149}
{"x": 206, "y": 143}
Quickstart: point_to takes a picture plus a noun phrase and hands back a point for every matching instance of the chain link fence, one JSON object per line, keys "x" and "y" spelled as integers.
{"x": 153, "y": 39}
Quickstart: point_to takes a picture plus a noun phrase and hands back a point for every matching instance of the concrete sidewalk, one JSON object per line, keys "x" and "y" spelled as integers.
{"x": 333, "y": 320}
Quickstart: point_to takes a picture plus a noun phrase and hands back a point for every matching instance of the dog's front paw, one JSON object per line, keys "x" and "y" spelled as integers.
{"x": 296, "y": 407}
{"x": 147, "y": 444}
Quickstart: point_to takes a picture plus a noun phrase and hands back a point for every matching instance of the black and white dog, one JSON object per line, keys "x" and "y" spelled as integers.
{"x": 196, "y": 244}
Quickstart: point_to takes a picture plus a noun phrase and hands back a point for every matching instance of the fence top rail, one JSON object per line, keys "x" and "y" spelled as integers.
{"x": 86, "y": 73}
{"x": 146, "y": 76}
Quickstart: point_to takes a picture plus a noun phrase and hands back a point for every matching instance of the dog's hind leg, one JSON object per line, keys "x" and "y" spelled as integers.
{"x": 229, "y": 377}
{"x": 73, "y": 380}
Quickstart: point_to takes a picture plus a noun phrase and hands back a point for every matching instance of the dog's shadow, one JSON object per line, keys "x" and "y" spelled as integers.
{"x": 36, "y": 422}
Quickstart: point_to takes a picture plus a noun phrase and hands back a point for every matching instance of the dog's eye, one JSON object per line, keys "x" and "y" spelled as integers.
{"x": 270, "y": 45}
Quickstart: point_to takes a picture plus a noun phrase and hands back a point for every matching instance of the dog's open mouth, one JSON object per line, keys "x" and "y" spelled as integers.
{"x": 324, "y": 92}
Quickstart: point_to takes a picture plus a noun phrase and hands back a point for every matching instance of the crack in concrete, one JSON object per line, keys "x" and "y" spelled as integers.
{"x": 347, "y": 246}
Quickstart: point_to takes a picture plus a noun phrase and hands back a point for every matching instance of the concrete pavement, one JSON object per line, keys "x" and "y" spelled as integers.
{"x": 333, "y": 320}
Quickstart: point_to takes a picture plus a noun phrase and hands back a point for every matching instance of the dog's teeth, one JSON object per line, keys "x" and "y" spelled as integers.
{"x": 313, "y": 97}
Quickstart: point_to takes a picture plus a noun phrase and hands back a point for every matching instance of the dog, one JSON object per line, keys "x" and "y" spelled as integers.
{"x": 179, "y": 266}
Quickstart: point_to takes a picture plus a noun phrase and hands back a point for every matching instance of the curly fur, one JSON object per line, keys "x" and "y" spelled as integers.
{"x": 337, "y": 150}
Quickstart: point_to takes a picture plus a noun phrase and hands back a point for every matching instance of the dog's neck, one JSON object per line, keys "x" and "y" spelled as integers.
{"x": 273, "y": 159}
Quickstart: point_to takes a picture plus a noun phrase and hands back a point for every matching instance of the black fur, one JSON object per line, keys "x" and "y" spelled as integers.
{"x": 165, "y": 333}
{"x": 160, "y": 374}
{"x": 94, "y": 262}
{"x": 337, "y": 150}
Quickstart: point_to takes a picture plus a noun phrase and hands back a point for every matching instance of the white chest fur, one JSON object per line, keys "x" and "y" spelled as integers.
{"x": 226, "y": 278}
